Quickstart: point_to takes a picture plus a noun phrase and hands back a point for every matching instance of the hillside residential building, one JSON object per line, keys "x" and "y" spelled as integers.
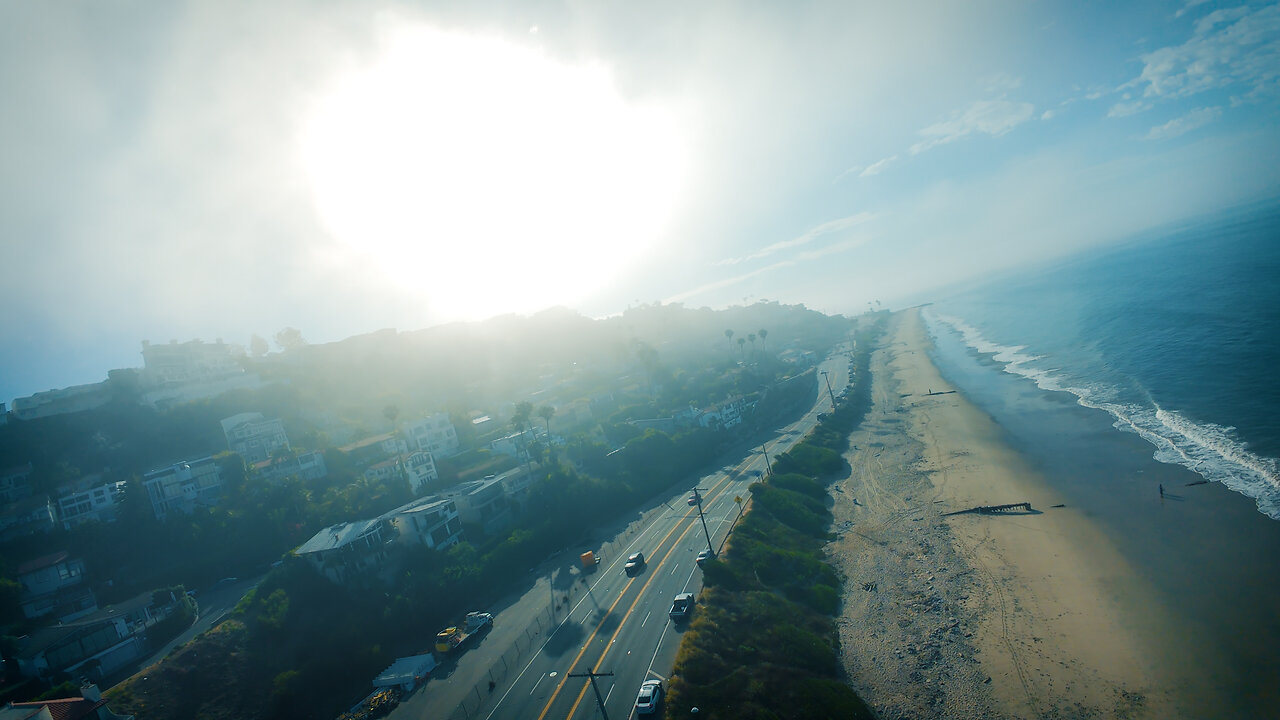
{"x": 95, "y": 646}
{"x": 483, "y": 503}
{"x": 15, "y": 483}
{"x": 28, "y": 516}
{"x": 54, "y": 585}
{"x": 307, "y": 466}
{"x": 340, "y": 551}
{"x": 430, "y": 521}
{"x": 254, "y": 437}
{"x": 433, "y": 434}
{"x": 385, "y": 471}
{"x": 516, "y": 483}
{"x": 420, "y": 470}
{"x": 725, "y": 415}
{"x": 184, "y": 486}
{"x": 189, "y": 362}
{"x": 89, "y": 500}
{"x": 375, "y": 448}
{"x": 89, "y": 706}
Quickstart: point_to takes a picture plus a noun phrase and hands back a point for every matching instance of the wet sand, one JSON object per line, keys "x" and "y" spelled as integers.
{"x": 1013, "y": 615}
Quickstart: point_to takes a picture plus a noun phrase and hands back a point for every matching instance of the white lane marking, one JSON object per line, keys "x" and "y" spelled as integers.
{"x": 646, "y": 618}
{"x": 536, "y": 684}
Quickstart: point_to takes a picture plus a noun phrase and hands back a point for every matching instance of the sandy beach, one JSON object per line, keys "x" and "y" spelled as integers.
{"x": 1013, "y": 615}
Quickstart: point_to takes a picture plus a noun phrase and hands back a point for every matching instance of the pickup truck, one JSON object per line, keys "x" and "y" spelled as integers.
{"x": 452, "y": 638}
{"x": 682, "y": 607}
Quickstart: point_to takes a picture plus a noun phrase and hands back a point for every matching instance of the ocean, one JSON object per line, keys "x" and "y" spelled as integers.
{"x": 1176, "y": 336}
{"x": 1138, "y": 382}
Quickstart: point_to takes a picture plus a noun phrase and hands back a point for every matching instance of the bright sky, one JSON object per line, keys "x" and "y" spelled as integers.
{"x": 222, "y": 168}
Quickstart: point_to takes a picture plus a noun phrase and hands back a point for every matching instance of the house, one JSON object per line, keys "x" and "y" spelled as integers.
{"x": 307, "y": 467}
{"x": 385, "y": 471}
{"x": 95, "y": 645}
{"x": 434, "y": 434}
{"x": 724, "y": 415}
{"x": 420, "y": 470}
{"x": 430, "y": 521}
{"x": 184, "y": 486}
{"x": 189, "y": 362}
{"x": 483, "y": 503}
{"x": 28, "y": 516}
{"x": 89, "y": 706}
{"x": 253, "y": 436}
{"x": 54, "y": 585}
{"x": 516, "y": 483}
{"x": 15, "y": 483}
{"x": 89, "y": 499}
{"x": 376, "y": 448}
{"x": 340, "y": 551}
{"x": 514, "y": 444}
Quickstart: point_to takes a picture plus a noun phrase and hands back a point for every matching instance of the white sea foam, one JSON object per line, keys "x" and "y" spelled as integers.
{"x": 1212, "y": 451}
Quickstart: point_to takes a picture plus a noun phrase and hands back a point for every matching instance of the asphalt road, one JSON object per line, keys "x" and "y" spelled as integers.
{"x": 572, "y": 622}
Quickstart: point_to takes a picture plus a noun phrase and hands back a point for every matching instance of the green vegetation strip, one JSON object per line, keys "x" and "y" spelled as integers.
{"x": 764, "y": 644}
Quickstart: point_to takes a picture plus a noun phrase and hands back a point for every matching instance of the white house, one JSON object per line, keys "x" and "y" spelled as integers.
{"x": 89, "y": 499}
{"x": 483, "y": 503}
{"x": 431, "y": 521}
{"x": 420, "y": 470}
{"x": 184, "y": 486}
{"x": 341, "y": 550}
{"x": 189, "y": 362}
{"x": 253, "y": 436}
{"x": 433, "y": 434}
{"x": 307, "y": 466}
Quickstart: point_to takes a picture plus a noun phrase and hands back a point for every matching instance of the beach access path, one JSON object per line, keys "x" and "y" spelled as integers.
{"x": 1012, "y": 615}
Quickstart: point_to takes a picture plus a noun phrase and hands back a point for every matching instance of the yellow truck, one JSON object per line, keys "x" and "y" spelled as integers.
{"x": 452, "y": 638}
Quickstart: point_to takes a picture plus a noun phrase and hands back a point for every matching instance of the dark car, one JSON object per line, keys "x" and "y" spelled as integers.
{"x": 635, "y": 564}
{"x": 682, "y": 607}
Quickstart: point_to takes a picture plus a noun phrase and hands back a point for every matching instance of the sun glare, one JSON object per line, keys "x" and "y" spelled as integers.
{"x": 487, "y": 177}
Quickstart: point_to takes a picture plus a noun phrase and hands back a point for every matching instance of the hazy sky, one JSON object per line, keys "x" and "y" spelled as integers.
{"x": 216, "y": 169}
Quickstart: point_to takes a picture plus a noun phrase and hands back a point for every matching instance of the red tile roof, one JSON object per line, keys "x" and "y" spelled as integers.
{"x": 66, "y": 708}
{"x": 43, "y": 562}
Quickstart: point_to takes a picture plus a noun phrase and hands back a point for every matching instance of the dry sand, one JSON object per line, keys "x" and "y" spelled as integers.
{"x": 1025, "y": 615}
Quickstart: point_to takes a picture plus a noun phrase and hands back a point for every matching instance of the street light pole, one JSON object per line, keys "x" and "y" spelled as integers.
{"x": 768, "y": 469}
{"x": 593, "y": 675}
{"x": 826, "y": 377}
{"x": 698, "y": 496}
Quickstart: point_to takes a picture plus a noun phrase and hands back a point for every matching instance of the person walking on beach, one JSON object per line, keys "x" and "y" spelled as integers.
{"x": 1162, "y": 490}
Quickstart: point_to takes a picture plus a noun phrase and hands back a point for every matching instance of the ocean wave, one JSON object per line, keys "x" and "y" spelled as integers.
{"x": 1212, "y": 451}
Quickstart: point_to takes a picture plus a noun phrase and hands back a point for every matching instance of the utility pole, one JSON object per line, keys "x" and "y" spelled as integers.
{"x": 768, "y": 469}
{"x": 593, "y": 675}
{"x": 833, "y": 395}
{"x": 697, "y": 495}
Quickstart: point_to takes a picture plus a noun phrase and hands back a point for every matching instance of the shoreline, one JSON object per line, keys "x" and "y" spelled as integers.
{"x": 1018, "y": 615}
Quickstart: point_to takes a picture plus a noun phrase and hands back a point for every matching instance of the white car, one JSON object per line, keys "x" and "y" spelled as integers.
{"x": 649, "y": 698}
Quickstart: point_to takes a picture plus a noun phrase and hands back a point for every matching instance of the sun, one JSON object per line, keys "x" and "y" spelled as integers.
{"x": 486, "y": 177}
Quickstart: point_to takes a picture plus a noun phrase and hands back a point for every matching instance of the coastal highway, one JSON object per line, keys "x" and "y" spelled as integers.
{"x": 612, "y": 623}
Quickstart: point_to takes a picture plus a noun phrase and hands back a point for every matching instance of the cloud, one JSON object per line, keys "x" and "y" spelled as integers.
{"x": 992, "y": 117}
{"x": 1186, "y": 8}
{"x": 1236, "y": 47}
{"x": 878, "y": 167}
{"x": 809, "y": 236}
{"x": 719, "y": 284}
{"x": 1128, "y": 107}
{"x": 1193, "y": 120}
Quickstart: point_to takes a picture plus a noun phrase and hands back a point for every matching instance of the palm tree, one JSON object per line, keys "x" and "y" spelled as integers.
{"x": 546, "y": 412}
{"x": 741, "y": 342}
{"x": 763, "y": 334}
{"x": 752, "y": 338}
{"x": 729, "y": 335}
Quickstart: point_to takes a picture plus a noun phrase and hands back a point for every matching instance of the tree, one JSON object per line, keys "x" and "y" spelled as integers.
{"x": 742, "y": 342}
{"x": 752, "y": 338}
{"x": 391, "y": 412}
{"x": 546, "y": 412}
{"x": 520, "y": 420}
{"x": 763, "y": 335}
{"x": 729, "y": 335}
{"x": 258, "y": 345}
{"x": 290, "y": 339}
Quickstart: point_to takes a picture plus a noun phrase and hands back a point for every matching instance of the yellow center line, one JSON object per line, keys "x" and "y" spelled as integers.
{"x": 596, "y": 631}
